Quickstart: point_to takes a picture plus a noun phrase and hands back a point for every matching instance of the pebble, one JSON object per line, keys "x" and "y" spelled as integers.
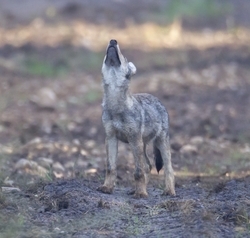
{"x": 197, "y": 140}
{"x": 187, "y": 149}
{"x": 45, "y": 162}
{"x": 23, "y": 164}
{"x": 58, "y": 166}
{"x": 45, "y": 98}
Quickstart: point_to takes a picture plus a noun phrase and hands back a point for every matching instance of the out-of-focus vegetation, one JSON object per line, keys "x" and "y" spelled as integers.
{"x": 179, "y": 9}
{"x": 41, "y": 67}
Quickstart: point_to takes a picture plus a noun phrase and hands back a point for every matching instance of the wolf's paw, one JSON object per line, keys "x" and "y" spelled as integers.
{"x": 105, "y": 189}
{"x": 138, "y": 195}
{"x": 169, "y": 192}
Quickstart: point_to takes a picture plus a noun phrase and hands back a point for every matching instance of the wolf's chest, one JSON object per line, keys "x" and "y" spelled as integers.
{"x": 125, "y": 124}
{"x": 121, "y": 130}
{"x": 118, "y": 125}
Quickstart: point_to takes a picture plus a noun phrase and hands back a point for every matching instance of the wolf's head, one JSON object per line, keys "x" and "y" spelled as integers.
{"x": 115, "y": 66}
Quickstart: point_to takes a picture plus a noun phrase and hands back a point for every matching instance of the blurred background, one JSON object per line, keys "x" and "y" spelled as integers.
{"x": 194, "y": 55}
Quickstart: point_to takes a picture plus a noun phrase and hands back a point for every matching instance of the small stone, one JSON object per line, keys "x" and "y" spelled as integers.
{"x": 188, "y": 149}
{"x": 93, "y": 131}
{"x": 84, "y": 152}
{"x": 31, "y": 166}
{"x": 176, "y": 146}
{"x": 10, "y": 189}
{"x": 58, "y": 174}
{"x": 197, "y": 140}
{"x": 69, "y": 164}
{"x": 82, "y": 163}
{"x": 76, "y": 142}
{"x": 8, "y": 182}
{"x": 45, "y": 98}
{"x": 58, "y": 167}
{"x": 91, "y": 171}
{"x": 71, "y": 126}
{"x": 95, "y": 151}
{"x": 90, "y": 144}
{"x": 45, "y": 162}
{"x": 36, "y": 140}
{"x": 74, "y": 149}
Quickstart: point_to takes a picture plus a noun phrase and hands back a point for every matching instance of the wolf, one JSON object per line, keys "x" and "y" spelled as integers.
{"x": 134, "y": 119}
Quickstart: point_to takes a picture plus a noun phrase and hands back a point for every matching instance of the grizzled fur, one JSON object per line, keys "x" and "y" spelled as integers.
{"x": 134, "y": 119}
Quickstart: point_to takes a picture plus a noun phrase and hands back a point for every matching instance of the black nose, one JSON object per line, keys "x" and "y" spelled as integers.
{"x": 113, "y": 42}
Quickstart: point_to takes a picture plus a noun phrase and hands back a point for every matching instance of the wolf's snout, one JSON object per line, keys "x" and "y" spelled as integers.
{"x": 112, "y": 55}
{"x": 113, "y": 43}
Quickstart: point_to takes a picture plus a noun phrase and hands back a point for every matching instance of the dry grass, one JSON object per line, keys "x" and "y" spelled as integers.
{"x": 184, "y": 206}
{"x": 147, "y": 36}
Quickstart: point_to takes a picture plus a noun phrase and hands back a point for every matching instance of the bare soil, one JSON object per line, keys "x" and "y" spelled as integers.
{"x": 52, "y": 150}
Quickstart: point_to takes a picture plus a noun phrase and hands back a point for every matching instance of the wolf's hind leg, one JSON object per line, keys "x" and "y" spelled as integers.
{"x": 148, "y": 165}
{"x": 110, "y": 179}
{"x": 163, "y": 145}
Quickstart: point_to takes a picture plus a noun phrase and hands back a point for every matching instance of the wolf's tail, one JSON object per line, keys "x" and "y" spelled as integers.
{"x": 158, "y": 159}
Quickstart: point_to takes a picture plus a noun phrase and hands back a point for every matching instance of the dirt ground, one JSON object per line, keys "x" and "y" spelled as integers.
{"x": 52, "y": 152}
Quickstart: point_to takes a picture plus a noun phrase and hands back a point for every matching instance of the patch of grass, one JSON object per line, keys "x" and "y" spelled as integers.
{"x": 243, "y": 137}
{"x": 105, "y": 221}
{"x": 208, "y": 216}
{"x": 93, "y": 95}
{"x": 236, "y": 155}
{"x": 185, "y": 206}
{"x": 44, "y": 68}
{"x": 2, "y": 200}
{"x": 212, "y": 170}
{"x": 50, "y": 176}
{"x": 34, "y": 187}
{"x": 10, "y": 226}
{"x": 3, "y": 102}
{"x": 238, "y": 160}
{"x": 87, "y": 61}
{"x": 135, "y": 226}
{"x": 8, "y": 97}
{"x": 178, "y": 9}
{"x": 242, "y": 217}
{"x": 93, "y": 61}
{"x": 3, "y": 172}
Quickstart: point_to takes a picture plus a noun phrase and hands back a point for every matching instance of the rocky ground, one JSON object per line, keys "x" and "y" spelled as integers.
{"x": 52, "y": 150}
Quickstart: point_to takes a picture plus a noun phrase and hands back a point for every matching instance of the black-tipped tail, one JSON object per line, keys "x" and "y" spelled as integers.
{"x": 158, "y": 159}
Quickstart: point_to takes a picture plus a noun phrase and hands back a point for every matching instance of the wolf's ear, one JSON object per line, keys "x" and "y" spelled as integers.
{"x": 132, "y": 68}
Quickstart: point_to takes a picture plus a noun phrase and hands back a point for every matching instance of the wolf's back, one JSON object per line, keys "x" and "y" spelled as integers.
{"x": 152, "y": 105}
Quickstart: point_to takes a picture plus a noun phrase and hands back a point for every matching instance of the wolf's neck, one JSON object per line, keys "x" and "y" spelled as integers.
{"x": 117, "y": 99}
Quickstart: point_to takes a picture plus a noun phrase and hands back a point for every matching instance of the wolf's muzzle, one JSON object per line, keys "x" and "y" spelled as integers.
{"x": 112, "y": 57}
{"x": 112, "y": 43}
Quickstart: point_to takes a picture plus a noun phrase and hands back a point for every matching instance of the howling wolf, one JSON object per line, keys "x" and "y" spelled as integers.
{"x": 134, "y": 119}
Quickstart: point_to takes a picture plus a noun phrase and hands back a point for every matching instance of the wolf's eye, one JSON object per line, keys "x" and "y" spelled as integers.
{"x": 128, "y": 75}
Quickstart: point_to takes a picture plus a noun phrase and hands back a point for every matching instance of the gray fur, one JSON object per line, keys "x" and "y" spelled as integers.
{"x": 135, "y": 119}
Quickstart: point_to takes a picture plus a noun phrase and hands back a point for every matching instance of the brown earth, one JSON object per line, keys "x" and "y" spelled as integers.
{"x": 52, "y": 141}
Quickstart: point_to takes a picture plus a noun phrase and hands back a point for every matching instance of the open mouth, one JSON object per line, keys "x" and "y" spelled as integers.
{"x": 112, "y": 58}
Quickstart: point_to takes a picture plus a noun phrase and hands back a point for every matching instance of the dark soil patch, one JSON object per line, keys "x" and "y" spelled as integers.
{"x": 74, "y": 208}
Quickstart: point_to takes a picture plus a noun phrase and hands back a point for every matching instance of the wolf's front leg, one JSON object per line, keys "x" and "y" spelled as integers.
{"x": 110, "y": 179}
{"x": 140, "y": 176}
